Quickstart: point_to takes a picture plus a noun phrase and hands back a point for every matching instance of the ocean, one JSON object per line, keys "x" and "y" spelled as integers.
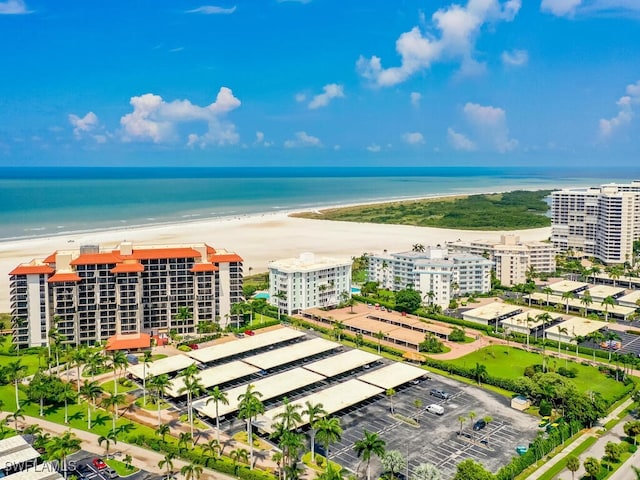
{"x": 41, "y": 202}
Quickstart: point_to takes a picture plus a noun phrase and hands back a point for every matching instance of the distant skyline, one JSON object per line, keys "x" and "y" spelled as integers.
{"x": 320, "y": 83}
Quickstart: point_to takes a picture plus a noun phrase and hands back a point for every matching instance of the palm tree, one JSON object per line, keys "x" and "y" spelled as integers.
{"x": 563, "y": 331}
{"x": 107, "y": 439}
{"x": 547, "y": 291}
{"x": 566, "y": 296}
{"x": 281, "y": 295}
{"x": 390, "y": 394}
{"x": 160, "y": 384}
{"x": 146, "y": 359}
{"x": 615, "y": 271}
{"x": 167, "y": 462}
{"x": 240, "y": 455}
{"x": 183, "y": 439}
{"x": 597, "y": 337}
{"x": 610, "y": 337}
{"x": 77, "y": 358}
{"x": 192, "y": 387}
{"x": 487, "y": 420}
{"x": 14, "y": 417}
{"x": 94, "y": 364}
{"x": 313, "y": 412}
{"x": 471, "y": 415}
{"x": 90, "y": 391}
{"x": 418, "y": 404}
{"x": 338, "y": 328}
{"x": 480, "y": 373}
{"x": 162, "y": 430}
{"x": 607, "y": 302}
{"x": 328, "y": 431}
{"x": 67, "y": 394}
{"x": 573, "y": 465}
{"x": 461, "y": 419}
{"x": 192, "y": 471}
{"x": 183, "y": 314}
{"x": 380, "y": 336}
{"x": 586, "y": 300}
{"x": 426, "y": 471}
{"x": 249, "y": 407}
{"x": 213, "y": 447}
{"x": 290, "y": 416}
{"x": 218, "y": 397}
{"x": 112, "y": 400}
{"x": 63, "y": 446}
{"x": 15, "y": 372}
{"x": 118, "y": 361}
{"x": 544, "y": 318}
{"x": 370, "y": 445}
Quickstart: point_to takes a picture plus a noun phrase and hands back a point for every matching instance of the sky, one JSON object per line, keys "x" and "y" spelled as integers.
{"x": 320, "y": 82}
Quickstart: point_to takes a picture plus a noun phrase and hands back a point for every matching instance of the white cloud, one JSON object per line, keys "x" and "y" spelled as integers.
{"x": 330, "y": 91}
{"x": 415, "y": 98}
{"x": 374, "y": 148}
{"x": 83, "y": 124}
{"x": 300, "y": 97}
{"x": 515, "y": 58}
{"x": 570, "y": 8}
{"x": 154, "y": 119}
{"x": 261, "y": 141}
{"x": 625, "y": 111}
{"x": 458, "y": 28}
{"x": 302, "y": 139}
{"x": 413, "y": 138}
{"x": 460, "y": 141}
{"x": 14, "y": 7}
{"x": 213, "y": 10}
{"x": 490, "y": 125}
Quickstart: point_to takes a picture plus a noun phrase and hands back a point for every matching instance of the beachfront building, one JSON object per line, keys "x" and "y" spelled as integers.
{"x": 600, "y": 222}
{"x": 308, "y": 281}
{"x": 512, "y": 258}
{"x": 93, "y": 293}
{"x": 435, "y": 273}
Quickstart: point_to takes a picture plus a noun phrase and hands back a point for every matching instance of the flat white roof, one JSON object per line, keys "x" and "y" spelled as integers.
{"x": 333, "y": 399}
{"x": 604, "y": 291}
{"x": 15, "y": 450}
{"x": 246, "y": 344}
{"x": 576, "y": 327}
{"x": 566, "y": 286}
{"x": 577, "y": 304}
{"x": 215, "y": 376}
{"x": 491, "y": 311}
{"x": 519, "y": 321}
{"x": 269, "y": 387}
{"x": 343, "y": 362}
{"x": 308, "y": 262}
{"x": 44, "y": 471}
{"x": 630, "y": 298}
{"x": 170, "y": 364}
{"x": 392, "y": 375}
{"x": 291, "y": 353}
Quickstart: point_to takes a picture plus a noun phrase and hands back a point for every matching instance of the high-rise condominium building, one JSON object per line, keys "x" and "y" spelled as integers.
{"x": 435, "y": 273}
{"x": 513, "y": 259}
{"x": 91, "y": 293}
{"x": 307, "y": 281}
{"x": 600, "y": 222}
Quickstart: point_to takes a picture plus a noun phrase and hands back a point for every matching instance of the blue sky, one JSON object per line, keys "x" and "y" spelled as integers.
{"x": 320, "y": 82}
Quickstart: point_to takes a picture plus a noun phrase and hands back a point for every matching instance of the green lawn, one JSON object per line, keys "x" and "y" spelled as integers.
{"x": 120, "y": 467}
{"x": 109, "y": 387}
{"x": 31, "y": 361}
{"x": 508, "y": 362}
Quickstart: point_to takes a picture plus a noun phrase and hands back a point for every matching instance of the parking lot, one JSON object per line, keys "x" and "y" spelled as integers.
{"x": 435, "y": 440}
{"x": 81, "y": 465}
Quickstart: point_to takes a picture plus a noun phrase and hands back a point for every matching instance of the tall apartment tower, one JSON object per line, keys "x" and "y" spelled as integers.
{"x": 91, "y": 294}
{"x": 601, "y": 222}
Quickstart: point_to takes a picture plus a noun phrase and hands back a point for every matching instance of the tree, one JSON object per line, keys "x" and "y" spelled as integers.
{"x": 77, "y": 358}
{"x": 417, "y": 403}
{"x": 112, "y": 400}
{"x": 213, "y": 447}
{"x": 426, "y": 471}
{"x": 127, "y": 461}
{"x": 67, "y": 395}
{"x": 192, "y": 387}
{"x": 107, "y": 439}
{"x": 544, "y": 318}
{"x": 14, "y": 417}
{"x": 471, "y": 470}
{"x": 167, "y": 462}
{"x": 15, "y": 372}
{"x": 162, "y": 430}
{"x": 184, "y": 314}
{"x": 566, "y": 296}
{"x": 328, "y": 431}
{"x": 390, "y": 394}
{"x": 611, "y": 337}
{"x": 408, "y": 300}
{"x": 561, "y": 331}
{"x": 282, "y": 297}
{"x": 547, "y": 291}
{"x": 480, "y": 373}
{"x": 573, "y": 465}
{"x": 380, "y": 336}
{"x": 461, "y": 419}
{"x": 250, "y": 406}
{"x": 146, "y": 359}
{"x": 393, "y": 462}
{"x": 63, "y": 446}
{"x": 632, "y": 429}
{"x": 613, "y": 452}
{"x": 586, "y": 300}
{"x": 118, "y": 362}
{"x": 370, "y": 444}
{"x": 218, "y": 397}
{"x": 160, "y": 384}
{"x": 313, "y": 412}
{"x": 192, "y": 471}
{"x": 607, "y": 302}
{"x": 338, "y": 328}
{"x": 592, "y": 467}
{"x": 90, "y": 391}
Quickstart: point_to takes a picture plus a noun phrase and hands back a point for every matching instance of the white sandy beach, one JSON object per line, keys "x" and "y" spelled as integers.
{"x": 258, "y": 239}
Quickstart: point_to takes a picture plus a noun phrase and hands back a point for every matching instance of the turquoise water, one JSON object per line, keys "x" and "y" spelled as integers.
{"x": 262, "y": 295}
{"x": 53, "y": 201}
{"x": 355, "y": 290}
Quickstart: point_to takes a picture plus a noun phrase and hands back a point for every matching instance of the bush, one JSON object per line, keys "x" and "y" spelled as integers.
{"x": 571, "y": 372}
{"x": 184, "y": 348}
{"x": 457, "y": 335}
{"x": 545, "y": 408}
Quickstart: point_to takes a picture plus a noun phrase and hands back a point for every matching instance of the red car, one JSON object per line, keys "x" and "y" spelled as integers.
{"x": 99, "y": 463}
{"x": 249, "y": 332}
{"x": 193, "y": 346}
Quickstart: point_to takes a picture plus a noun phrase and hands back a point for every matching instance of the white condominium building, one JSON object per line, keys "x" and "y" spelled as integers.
{"x": 601, "y": 222}
{"x": 307, "y": 281}
{"x": 435, "y": 273}
{"x": 91, "y": 294}
{"x": 512, "y": 258}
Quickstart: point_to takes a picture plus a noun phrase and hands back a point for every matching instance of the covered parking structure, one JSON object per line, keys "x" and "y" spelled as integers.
{"x": 270, "y": 387}
{"x": 291, "y": 353}
{"x": 342, "y": 363}
{"x": 45, "y": 471}
{"x": 573, "y": 328}
{"x": 630, "y": 300}
{"x": 413, "y": 324}
{"x": 392, "y": 333}
{"x": 564, "y": 286}
{"x": 492, "y": 313}
{"x": 215, "y": 376}
{"x": 392, "y": 375}
{"x": 333, "y": 399}
{"x": 576, "y": 305}
{"x": 167, "y": 365}
{"x": 622, "y": 280}
{"x": 528, "y": 321}
{"x": 16, "y": 454}
{"x": 600, "y": 292}
{"x": 244, "y": 345}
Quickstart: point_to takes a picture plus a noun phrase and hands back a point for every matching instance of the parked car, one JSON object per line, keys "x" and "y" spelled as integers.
{"x": 194, "y": 346}
{"x": 250, "y": 333}
{"x": 440, "y": 394}
{"x": 480, "y": 424}
{"x": 110, "y": 472}
{"x": 99, "y": 463}
{"x": 435, "y": 408}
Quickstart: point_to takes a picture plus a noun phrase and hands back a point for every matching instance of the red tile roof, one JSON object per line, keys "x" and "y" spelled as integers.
{"x": 96, "y": 259}
{"x": 31, "y": 270}
{"x": 158, "y": 253}
{"x": 51, "y": 258}
{"x": 128, "y": 341}
{"x": 204, "y": 267}
{"x": 128, "y": 268}
{"x": 225, "y": 258}
{"x": 65, "y": 277}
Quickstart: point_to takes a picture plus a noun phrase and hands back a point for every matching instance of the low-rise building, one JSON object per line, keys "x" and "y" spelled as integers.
{"x": 308, "y": 281}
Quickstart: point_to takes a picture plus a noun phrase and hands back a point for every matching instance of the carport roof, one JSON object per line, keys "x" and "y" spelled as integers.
{"x": 520, "y": 320}
{"x": 269, "y": 387}
{"x": 577, "y": 327}
{"x": 392, "y": 375}
{"x": 567, "y": 286}
{"x": 491, "y": 311}
{"x": 343, "y": 362}
{"x": 604, "y": 291}
{"x": 46, "y": 471}
{"x": 16, "y": 450}
{"x": 246, "y": 344}
{"x": 215, "y": 376}
{"x": 164, "y": 365}
{"x": 632, "y": 297}
{"x": 333, "y": 399}
{"x": 291, "y": 353}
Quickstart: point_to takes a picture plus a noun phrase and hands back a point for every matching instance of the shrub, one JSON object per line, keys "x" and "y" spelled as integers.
{"x": 457, "y": 335}
{"x": 568, "y": 372}
{"x": 545, "y": 408}
{"x": 184, "y": 348}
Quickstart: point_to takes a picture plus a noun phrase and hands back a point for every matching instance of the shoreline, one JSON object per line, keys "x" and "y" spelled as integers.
{"x": 258, "y": 238}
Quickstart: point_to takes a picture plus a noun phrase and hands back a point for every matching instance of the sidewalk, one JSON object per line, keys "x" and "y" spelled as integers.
{"x": 596, "y": 450}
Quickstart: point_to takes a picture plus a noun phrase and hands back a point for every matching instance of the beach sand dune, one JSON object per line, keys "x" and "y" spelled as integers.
{"x": 258, "y": 239}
